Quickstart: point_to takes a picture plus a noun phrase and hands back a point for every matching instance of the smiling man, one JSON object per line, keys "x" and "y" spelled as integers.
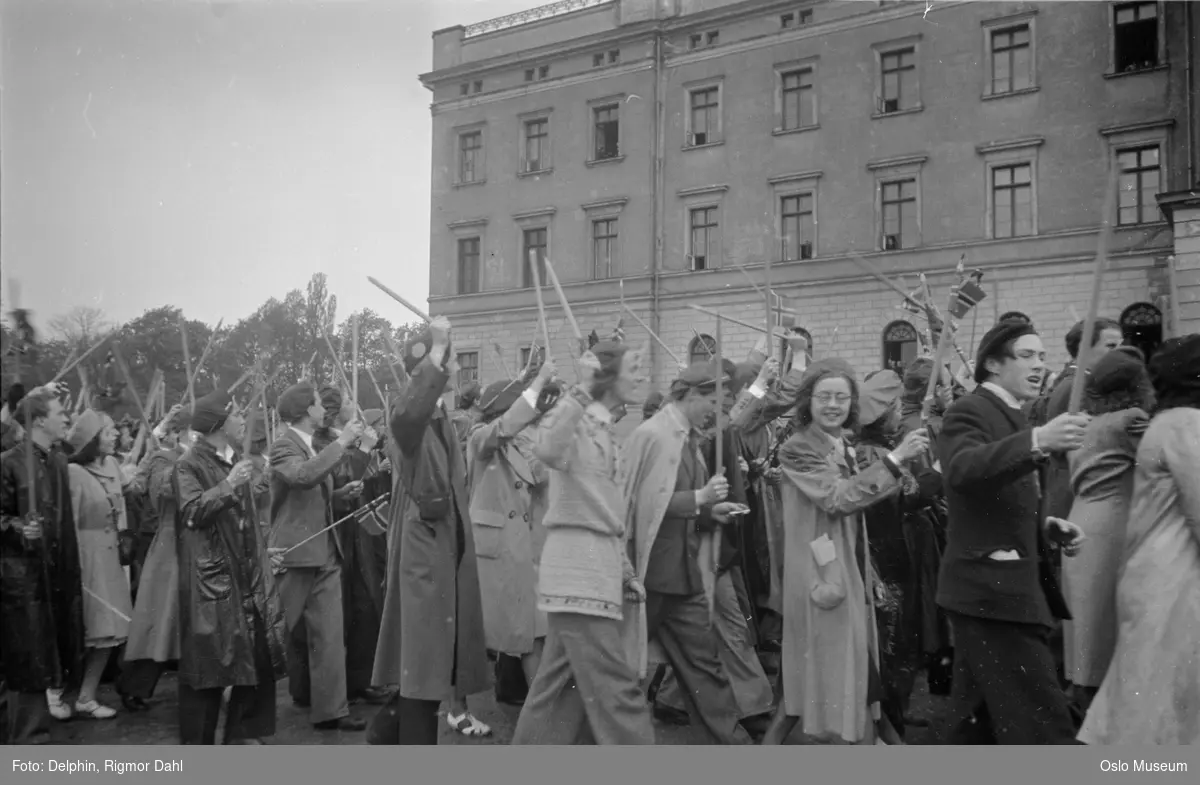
{"x": 996, "y": 582}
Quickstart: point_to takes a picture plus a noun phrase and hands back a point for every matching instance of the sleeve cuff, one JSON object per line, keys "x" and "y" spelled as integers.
{"x": 756, "y": 391}
{"x": 699, "y": 504}
{"x": 530, "y": 398}
{"x": 892, "y": 465}
{"x": 1037, "y": 450}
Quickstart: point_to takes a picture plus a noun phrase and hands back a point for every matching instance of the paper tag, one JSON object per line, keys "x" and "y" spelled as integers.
{"x": 823, "y": 550}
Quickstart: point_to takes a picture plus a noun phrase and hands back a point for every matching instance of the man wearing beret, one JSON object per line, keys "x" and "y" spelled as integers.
{"x": 431, "y": 641}
{"x": 223, "y": 607}
{"x": 996, "y": 581}
{"x": 677, "y": 507}
{"x": 311, "y": 588}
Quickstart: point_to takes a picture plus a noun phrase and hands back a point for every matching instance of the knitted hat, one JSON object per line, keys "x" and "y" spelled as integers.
{"x": 86, "y": 427}
{"x": 877, "y": 395}
{"x": 993, "y": 343}
{"x": 210, "y": 412}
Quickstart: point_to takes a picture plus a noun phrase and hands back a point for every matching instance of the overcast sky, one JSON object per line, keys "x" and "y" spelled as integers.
{"x": 212, "y": 155}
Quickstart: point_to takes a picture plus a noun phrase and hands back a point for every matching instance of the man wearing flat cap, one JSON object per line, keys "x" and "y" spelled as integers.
{"x": 676, "y": 509}
{"x": 302, "y": 492}
{"x": 431, "y": 641}
{"x": 224, "y": 615}
{"x": 996, "y": 580}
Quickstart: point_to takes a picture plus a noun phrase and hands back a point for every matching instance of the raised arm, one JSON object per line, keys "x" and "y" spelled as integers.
{"x": 414, "y": 408}
{"x": 554, "y": 441}
{"x": 291, "y": 465}
{"x": 823, "y": 484}
{"x": 970, "y": 459}
{"x": 488, "y": 438}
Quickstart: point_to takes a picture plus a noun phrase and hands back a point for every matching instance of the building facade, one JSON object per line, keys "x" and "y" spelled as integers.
{"x": 660, "y": 152}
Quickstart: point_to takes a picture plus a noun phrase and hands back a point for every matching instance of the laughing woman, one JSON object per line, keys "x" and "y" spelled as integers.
{"x": 830, "y": 650}
{"x": 99, "y": 506}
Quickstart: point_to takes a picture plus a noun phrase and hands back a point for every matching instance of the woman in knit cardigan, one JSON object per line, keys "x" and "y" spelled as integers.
{"x": 586, "y": 689}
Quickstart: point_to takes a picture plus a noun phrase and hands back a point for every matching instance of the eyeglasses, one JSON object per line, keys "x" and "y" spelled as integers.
{"x": 825, "y": 398}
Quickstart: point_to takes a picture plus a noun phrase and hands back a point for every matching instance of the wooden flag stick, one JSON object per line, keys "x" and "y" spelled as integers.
{"x": 424, "y": 316}
{"x": 397, "y": 357}
{"x": 242, "y": 379}
{"x": 200, "y": 363}
{"x": 703, "y": 343}
{"x": 67, "y": 363}
{"x": 66, "y": 369}
{"x": 562, "y": 298}
{"x": 653, "y": 335}
{"x": 354, "y": 358}
{"x": 190, "y": 392}
{"x": 378, "y": 389}
{"x": 341, "y": 372}
{"x": 778, "y": 331}
{"x": 719, "y": 462}
{"x": 1089, "y": 323}
{"x": 129, "y": 383}
{"x": 541, "y": 305}
{"x": 499, "y": 358}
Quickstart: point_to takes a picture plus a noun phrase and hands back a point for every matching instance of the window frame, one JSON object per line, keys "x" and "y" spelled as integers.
{"x": 1161, "y": 60}
{"x": 884, "y": 342}
{"x": 527, "y": 281}
{"x": 464, "y": 367}
{"x": 999, "y": 25}
{"x": 613, "y": 239}
{"x": 689, "y": 134}
{"x": 886, "y": 49}
{"x": 796, "y": 184}
{"x": 547, "y": 162}
{"x": 782, "y": 71}
{"x": 1141, "y": 206}
{"x": 712, "y": 234}
{"x": 997, "y": 155}
{"x": 891, "y": 171}
{"x": 1125, "y": 137}
{"x": 460, "y": 133}
{"x": 703, "y": 346}
{"x": 460, "y": 287}
{"x": 594, "y": 106}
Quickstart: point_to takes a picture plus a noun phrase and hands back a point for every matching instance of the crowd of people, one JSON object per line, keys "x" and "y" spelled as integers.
{"x": 782, "y": 543}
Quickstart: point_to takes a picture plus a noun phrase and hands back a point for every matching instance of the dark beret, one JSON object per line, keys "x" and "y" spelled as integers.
{"x": 417, "y": 348}
{"x": 500, "y": 396}
{"x": 993, "y": 342}
{"x": 211, "y": 411}
{"x": 1116, "y": 371}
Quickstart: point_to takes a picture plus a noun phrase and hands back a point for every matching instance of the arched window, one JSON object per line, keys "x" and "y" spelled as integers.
{"x": 702, "y": 349}
{"x": 783, "y": 345}
{"x": 1141, "y": 326}
{"x": 1017, "y": 315}
{"x": 901, "y": 345}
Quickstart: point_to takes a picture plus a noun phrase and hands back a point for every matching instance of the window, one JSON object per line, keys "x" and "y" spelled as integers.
{"x": 534, "y": 240}
{"x": 783, "y": 346}
{"x": 696, "y": 41}
{"x": 529, "y": 73}
{"x": 1142, "y": 326}
{"x": 604, "y": 247}
{"x": 1135, "y": 36}
{"x": 806, "y": 16}
{"x": 702, "y": 349}
{"x": 787, "y": 20}
{"x": 704, "y": 117}
{"x": 468, "y": 265}
{"x": 464, "y": 88}
{"x": 899, "y": 209}
{"x": 710, "y": 39}
{"x": 597, "y": 60}
{"x": 470, "y": 157}
{"x": 901, "y": 346}
{"x": 701, "y": 40}
{"x": 790, "y": 19}
{"x": 702, "y": 241}
{"x": 1012, "y": 61}
{"x": 1012, "y": 200}
{"x": 478, "y": 86}
{"x": 537, "y": 145}
{"x": 898, "y": 72}
{"x": 799, "y": 99}
{"x": 797, "y": 226}
{"x": 543, "y": 71}
{"x": 538, "y": 354}
{"x": 614, "y": 55}
{"x": 1139, "y": 181}
{"x": 606, "y": 130}
{"x": 468, "y": 368}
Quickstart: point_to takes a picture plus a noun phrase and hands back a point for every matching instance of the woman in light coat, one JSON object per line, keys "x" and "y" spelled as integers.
{"x": 1151, "y": 693}
{"x": 98, "y": 502}
{"x": 829, "y": 664}
{"x": 507, "y": 504}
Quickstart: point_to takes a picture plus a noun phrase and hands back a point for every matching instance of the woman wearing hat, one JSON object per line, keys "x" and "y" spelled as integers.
{"x": 508, "y": 490}
{"x": 1151, "y": 693}
{"x": 1118, "y": 395}
{"x": 99, "y": 506}
{"x": 830, "y": 653}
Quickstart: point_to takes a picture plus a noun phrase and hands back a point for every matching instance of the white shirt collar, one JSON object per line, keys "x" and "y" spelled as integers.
{"x": 306, "y": 438}
{"x": 1009, "y": 399}
{"x": 600, "y": 412}
{"x": 226, "y": 454}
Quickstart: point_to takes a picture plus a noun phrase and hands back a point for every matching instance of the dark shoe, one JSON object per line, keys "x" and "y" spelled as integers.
{"x": 134, "y": 704}
{"x": 376, "y": 696}
{"x": 672, "y": 716}
{"x": 343, "y": 723}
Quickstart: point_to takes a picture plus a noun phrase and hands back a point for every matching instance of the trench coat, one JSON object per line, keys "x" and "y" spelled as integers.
{"x": 40, "y": 585}
{"x": 1151, "y": 693}
{"x": 829, "y": 633}
{"x": 154, "y": 632}
{"x": 431, "y": 639}
{"x": 99, "y": 508}
{"x": 505, "y": 484}
{"x": 222, "y": 582}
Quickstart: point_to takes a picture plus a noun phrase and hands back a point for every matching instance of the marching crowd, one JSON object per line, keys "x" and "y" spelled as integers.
{"x": 782, "y": 542}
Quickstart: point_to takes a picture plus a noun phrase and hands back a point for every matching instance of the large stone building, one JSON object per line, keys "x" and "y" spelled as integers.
{"x": 662, "y": 150}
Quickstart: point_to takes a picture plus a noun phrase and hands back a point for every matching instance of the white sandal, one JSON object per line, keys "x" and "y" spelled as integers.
{"x": 95, "y": 710}
{"x": 467, "y": 725}
{"x": 59, "y": 708}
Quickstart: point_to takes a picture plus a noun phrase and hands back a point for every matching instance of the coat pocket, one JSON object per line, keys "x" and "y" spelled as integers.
{"x": 488, "y": 530}
{"x": 433, "y": 508}
{"x": 829, "y": 585}
{"x": 213, "y": 581}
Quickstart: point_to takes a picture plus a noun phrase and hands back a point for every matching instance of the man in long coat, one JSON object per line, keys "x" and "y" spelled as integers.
{"x": 41, "y": 605}
{"x": 225, "y": 637}
{"x": 431, "y": 641}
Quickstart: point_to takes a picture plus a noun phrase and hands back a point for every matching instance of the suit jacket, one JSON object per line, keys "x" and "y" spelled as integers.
{"x": 301, "y": 494}
{"x": 992, "y": 489}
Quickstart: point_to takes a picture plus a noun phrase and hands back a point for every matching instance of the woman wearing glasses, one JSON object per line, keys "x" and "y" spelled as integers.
{"x": 830, "y": 652}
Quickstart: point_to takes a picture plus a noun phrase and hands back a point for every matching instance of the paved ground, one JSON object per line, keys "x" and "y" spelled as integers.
{"x": 158, "y": 725}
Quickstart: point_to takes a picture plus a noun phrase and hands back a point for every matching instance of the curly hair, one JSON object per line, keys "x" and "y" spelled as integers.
{"x": 805, "y": 394}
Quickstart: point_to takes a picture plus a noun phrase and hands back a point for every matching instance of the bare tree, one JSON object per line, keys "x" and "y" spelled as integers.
{"x": 81, "y": 324}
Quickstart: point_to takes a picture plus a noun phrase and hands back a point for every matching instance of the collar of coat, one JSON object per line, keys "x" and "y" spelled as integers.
{"x": 823, "y": 443}
{"x": 1015, "y": 416}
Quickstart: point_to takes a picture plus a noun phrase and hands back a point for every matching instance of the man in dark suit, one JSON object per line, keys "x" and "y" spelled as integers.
{"x": 996, "y": 581}
{"x": 311, "y": 588}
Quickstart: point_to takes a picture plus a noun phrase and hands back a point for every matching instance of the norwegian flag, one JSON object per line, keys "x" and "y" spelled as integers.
{"x": 915, "y": 302}
{"x": 967, "y": 295}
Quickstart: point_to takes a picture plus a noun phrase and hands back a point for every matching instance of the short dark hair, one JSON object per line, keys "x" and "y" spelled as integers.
{"x": 38, "y": 404}
{"x": 295, "y": 402}
{"x": 1075, "y": 334}
{"x": 804, "y": 398}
